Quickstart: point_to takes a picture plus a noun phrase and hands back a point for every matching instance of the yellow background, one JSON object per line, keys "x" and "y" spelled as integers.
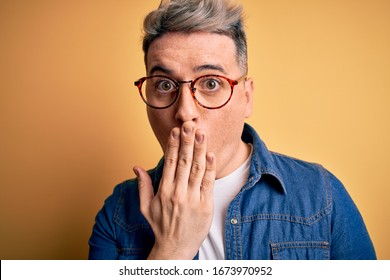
{"x": 73, "y": 126}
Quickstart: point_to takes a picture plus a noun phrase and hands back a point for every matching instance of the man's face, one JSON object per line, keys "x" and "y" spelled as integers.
{"x": 185, "y": 57}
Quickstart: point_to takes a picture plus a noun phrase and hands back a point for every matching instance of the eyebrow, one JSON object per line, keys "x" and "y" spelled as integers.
{"x": 160, "y": 68}
{"x": 167, "y": 71}
{"x": 210, "y": 67}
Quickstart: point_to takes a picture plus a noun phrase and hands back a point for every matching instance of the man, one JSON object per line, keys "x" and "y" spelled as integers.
{"x": 218, "y": 193}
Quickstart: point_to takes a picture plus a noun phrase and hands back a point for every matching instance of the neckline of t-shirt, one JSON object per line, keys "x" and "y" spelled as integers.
{"x": 238, "y": 171}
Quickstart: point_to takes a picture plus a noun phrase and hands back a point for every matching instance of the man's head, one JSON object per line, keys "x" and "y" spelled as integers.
{"x": 187, "y": 16}
{"x": 186, "y": 43}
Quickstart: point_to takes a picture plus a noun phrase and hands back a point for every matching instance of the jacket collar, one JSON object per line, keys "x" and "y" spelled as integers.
{"x": 262, "y": 164}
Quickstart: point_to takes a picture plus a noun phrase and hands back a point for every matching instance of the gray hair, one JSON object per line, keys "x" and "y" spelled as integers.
{"x": 213, "y": 16}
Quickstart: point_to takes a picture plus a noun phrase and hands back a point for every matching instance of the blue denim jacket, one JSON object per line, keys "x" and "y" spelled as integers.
{"x": 288, "y": 209}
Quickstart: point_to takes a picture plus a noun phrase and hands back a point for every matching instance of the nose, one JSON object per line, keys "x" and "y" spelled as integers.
{"x": 186, "y": 107}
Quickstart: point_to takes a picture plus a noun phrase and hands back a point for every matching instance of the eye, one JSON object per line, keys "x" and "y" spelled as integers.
{"x": 209, "y": 84}
{"x": 165, "y": 86}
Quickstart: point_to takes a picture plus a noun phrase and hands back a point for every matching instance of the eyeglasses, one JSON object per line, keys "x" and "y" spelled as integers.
{"x": 209, "y": 91}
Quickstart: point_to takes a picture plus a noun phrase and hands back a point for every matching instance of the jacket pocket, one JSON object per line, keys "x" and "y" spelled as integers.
{"x": 300, "y": 250}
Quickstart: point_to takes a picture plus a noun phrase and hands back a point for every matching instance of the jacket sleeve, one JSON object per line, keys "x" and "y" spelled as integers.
{"x": 349, "y": 236}
{"x": 102, "y": 243}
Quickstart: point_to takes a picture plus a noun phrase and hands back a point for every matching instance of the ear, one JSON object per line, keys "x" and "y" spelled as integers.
{"x": 249, "y": 89}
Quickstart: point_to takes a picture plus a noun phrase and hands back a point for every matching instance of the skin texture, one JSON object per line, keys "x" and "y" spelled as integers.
{"x": 199, "y": 144}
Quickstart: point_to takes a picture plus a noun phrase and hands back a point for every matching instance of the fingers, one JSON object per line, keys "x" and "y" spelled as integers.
{"x": 171, "y": 156}
{"x": 186, "y": 153}
{"x": 185, "y": 161}
{"x": 199, "y": 161}
{"x": 145, "y": 188}
{"x": 207, "y": 185}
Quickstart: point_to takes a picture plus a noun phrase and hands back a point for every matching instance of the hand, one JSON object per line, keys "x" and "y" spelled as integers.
{"x": 181, "y": 212}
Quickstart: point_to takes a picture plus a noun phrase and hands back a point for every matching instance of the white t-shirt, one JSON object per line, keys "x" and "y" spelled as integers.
{"x": 225, "y": 189}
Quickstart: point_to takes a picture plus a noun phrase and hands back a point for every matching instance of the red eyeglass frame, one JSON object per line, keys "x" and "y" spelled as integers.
{"x": 232, "y": 83}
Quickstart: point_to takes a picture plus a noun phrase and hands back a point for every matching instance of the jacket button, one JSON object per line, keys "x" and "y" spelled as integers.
{"x": 233, "y": 221}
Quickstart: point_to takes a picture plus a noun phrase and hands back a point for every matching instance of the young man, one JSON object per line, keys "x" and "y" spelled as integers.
{"x": 218, "y": 193}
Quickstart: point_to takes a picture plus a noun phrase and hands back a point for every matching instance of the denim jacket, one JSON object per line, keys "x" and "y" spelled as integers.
{"x": 287, "y": 210}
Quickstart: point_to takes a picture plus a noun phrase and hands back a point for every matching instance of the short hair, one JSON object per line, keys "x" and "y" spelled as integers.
{"x": 187, "y": 16}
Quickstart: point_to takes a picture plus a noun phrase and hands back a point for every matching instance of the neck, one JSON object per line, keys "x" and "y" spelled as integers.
{"x": 228, "y": 162}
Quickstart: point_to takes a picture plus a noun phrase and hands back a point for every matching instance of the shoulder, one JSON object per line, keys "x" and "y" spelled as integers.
{"x": 308, "y": 188}
{"x": 128, "y": 189}
{"x": 296, "y": 173}
{"x": 291, "y": 172}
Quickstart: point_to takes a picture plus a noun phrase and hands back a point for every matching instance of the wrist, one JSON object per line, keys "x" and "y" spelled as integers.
{"x": 158, "y": 253}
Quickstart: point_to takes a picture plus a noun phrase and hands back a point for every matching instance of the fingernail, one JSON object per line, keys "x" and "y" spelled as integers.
{"x": 188, "y": 130}
{"x": 175, "y": 133}
{"x": 136, "y": 172}
{"x": 199, "y": 138}
{"x": 210, "y": 159}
